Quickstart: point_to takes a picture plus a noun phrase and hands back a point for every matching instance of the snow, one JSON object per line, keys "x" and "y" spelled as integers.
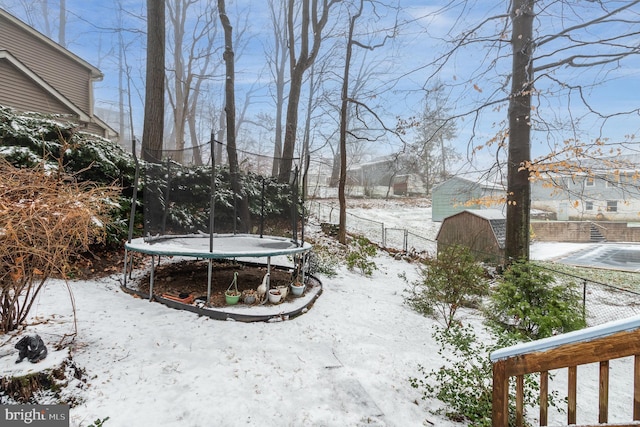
{"x": 346, "y": 362}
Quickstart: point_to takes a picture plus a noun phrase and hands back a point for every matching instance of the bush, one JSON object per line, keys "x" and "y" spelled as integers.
{"x": 465, "y": 383}
{"x": 324, "y": 260}
{"x": 359, "y": 252}
{"x": 527, "y": 302}
{"x": 448, "y": 282}
{"x": 46, "y": 220}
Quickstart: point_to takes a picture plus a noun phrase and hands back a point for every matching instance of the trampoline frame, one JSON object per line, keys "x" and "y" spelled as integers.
{"x": 146, "y": 247}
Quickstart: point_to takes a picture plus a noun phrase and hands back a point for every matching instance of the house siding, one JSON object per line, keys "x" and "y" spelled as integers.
{"x": 456, "y": 195}
{"x": 69, "y": 77}
{"x": 18, "y": 91}
{"x": 576, "y": 200}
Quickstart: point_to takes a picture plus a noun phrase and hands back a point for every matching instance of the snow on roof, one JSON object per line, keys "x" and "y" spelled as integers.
{"x": 488, "y": 214}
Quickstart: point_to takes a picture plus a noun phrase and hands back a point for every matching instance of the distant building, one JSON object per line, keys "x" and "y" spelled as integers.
{"x": 609, "y": 192}
{"x": 458, "y": 194}
{"x": 483, "y": 231}
{"x": 37, "y": 74}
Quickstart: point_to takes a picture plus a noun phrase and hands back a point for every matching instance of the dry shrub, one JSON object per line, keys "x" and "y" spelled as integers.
{"x": 46, "y": 218}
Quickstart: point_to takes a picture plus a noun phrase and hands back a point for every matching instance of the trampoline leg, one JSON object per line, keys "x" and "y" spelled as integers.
{"x": 209, "y": 277}
{"x": 126, "y": 258}
{"x": 151, "y": 276}
{"x": 269, "y": 272}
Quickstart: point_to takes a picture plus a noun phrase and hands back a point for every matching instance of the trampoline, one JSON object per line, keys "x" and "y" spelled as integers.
{"x": 175, "y": 210}
{"x": 218, "y": 246}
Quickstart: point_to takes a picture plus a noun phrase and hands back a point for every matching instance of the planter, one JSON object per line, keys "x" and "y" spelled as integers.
{"x": 284, "y": 291}
{"x": 249, "y": 296}
{"x": 182, "y": 297}
{"x": 232, "y": 297}
{"x": 274, "y": 296}
{"x": 297, "y": 289}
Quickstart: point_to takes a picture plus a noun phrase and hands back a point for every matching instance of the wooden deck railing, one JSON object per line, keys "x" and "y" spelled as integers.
{"x": 601, "y": 344}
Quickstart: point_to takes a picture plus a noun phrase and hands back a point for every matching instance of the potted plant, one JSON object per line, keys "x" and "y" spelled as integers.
{"x": 232, "y": 296}
{"x": 249, "y": 296}
{"x": 297, "y": 288}
{"x": 274, "y": 296}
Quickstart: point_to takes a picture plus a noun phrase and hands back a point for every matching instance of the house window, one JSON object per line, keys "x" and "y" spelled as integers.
{"x": 612, "y": 206}
{"x": 588, "y": 206}
{"x": 591, "y": 181}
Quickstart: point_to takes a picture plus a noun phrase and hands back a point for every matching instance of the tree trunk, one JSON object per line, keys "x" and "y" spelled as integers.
{"x": 286, "y": 162}
{"x": 518, "y": 187}
{"x": 153, "y": 130}
{"x": 230, "y": 110}
{"x": 342, "y": 229}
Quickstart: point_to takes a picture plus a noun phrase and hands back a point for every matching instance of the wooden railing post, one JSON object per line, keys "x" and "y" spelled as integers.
{"x": 636, "y": 387}
{"x": 603, "y": 395}
{"x": 572, "y": 395}
{"x": 500, "y": 401}
{"x": 544, "y": 397}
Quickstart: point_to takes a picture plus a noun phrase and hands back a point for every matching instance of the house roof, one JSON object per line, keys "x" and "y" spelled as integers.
{"x": 472, "y": 183}
{"x": 96, "y": 74}
{"x": 6, "y": 55}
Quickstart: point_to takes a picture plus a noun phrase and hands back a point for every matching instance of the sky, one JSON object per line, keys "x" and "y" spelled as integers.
{"x": 404, "y": 70}
{"x": 344, "y": 363}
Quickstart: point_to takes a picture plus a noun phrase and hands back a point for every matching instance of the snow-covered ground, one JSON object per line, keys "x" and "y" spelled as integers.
{"x": 346, "y": 362}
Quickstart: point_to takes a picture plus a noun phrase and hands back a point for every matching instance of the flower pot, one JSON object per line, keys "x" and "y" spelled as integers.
{"x": 274, "y": 296}
{"x": 297, "y": 289}
{"x": 284, "y": 290}
{"x": 249, "y": 297}
{"x": 232, "y": 298}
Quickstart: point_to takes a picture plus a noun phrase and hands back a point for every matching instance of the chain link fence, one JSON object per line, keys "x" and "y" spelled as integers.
{"x": 602, "y": 303}
{"x": 400, "y": 239}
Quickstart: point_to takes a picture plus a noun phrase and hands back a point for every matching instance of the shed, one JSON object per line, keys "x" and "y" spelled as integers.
{"x": 481, "y": 230}
{"x": 458, "y": 194}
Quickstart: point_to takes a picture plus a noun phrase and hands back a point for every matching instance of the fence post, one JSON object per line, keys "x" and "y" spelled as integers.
{"x": 384, "y": 236}
{"x": 584, "y": 299}
{"x": 405, "y": 244}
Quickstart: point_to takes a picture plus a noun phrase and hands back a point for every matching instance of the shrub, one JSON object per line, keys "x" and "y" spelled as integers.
{"x": 448, "y": 282}
{"x": 529, "y": 303}
{"x": 323, "y": 260}
{"x": 359, "y": 252}
{"x": 46, "y": 220}
{"x": 464, "y": 384}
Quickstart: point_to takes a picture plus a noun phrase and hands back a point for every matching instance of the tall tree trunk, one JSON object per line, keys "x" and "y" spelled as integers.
{"x": 344, "y": 106}
{"x": 291, "y": 126}
{"x": 518, "y": 187}
{"x": 230, "y": 110}
{"x": 312, "y": 18}
{"x": 153, "y": 130}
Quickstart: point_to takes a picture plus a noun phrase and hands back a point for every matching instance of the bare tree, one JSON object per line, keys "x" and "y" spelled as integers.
{"x": 314, "y": 15}
{"x": 345, "y": 101}
{"x": 430, "y": 155}
{"x": 230, "y": 114}
{"x": 590, "y": 37}
{"x": 153, "y": 130}
{"x": 192, "y": 65}
{"x": 277, "y": 60}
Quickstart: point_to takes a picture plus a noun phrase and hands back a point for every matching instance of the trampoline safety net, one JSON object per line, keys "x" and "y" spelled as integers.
{"x": 182, "y": 195}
